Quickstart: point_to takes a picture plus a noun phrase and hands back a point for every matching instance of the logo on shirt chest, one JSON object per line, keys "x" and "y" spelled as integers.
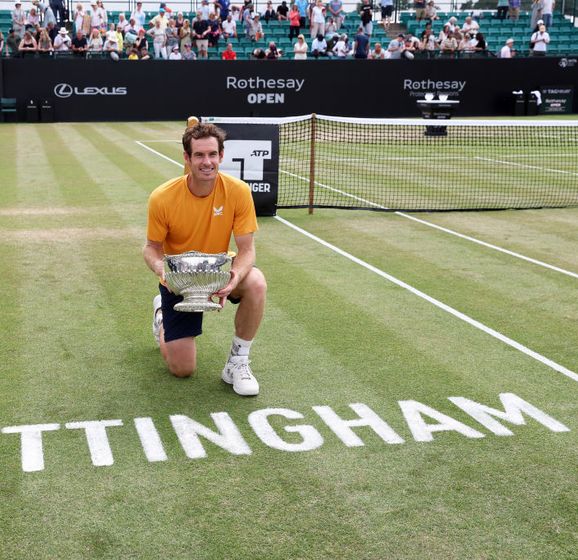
{"x": 217, "y": 211}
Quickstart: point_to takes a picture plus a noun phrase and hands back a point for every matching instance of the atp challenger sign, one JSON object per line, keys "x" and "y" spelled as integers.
{"x": 252, "y": 154}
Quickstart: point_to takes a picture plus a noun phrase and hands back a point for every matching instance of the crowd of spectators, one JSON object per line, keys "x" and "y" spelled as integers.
{"x": 316, "y": 28}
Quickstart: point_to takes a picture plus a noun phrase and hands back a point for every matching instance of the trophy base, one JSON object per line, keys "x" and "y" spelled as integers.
{"x": 196, "y": 306}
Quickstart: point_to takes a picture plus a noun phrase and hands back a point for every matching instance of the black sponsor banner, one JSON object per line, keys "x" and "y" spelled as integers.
{"x": 92, "y": 90}
{"x": 252, "y": 154}
{"x": 556, "y": 100}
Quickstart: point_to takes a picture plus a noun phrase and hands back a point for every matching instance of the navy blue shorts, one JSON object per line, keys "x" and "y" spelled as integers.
{"x": 181, "y": 324}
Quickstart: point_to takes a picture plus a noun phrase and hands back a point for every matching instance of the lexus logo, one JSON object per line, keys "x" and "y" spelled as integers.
{"x": 66, "y": 90}
{"x": 63, "y": 90}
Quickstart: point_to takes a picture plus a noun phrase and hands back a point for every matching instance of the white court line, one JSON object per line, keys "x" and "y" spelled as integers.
{"x": 437, "y": 303}
{"x": 415, "y": 291}
{"x": 549, "y": 170}
{"x": 446, "y": 230}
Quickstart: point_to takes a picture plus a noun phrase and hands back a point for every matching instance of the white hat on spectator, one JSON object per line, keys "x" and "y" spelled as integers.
{"x": 510, "y": 40}
{"x": 540, "y": 22}
{"x": 63, "y": 31}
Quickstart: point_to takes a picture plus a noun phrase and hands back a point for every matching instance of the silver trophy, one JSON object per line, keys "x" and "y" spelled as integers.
{"x": 196, "y": 276}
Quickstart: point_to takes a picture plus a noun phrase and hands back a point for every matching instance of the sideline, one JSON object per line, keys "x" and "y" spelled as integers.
{"x": 437, "y": 303}
{"x": 441, "y": 228}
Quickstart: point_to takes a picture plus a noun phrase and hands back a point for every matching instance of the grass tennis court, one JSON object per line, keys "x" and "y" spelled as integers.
{"x": 371, "y": 315}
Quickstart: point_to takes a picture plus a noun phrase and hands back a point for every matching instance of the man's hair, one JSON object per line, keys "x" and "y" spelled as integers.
{"x": 203, "y": 130}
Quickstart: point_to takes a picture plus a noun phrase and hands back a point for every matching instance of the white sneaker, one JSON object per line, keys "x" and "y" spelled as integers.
{"x": 238, "y": 374}
{"x": 157, "y": 318}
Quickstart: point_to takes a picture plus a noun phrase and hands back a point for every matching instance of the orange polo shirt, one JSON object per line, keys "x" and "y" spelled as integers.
{"x": 184, "y": 222}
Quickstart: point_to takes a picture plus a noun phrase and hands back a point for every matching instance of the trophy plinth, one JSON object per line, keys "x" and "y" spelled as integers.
{"x": 197, "y": 276}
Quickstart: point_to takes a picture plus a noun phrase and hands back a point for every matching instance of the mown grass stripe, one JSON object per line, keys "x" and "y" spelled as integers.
{"x": 8, "y": 179}
{"x": 462, "y": 316}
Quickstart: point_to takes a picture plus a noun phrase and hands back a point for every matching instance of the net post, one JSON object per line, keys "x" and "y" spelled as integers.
{"x": 312, "y": 163}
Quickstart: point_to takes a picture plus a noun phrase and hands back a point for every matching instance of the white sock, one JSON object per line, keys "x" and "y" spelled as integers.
{"x": 240, "y": 347}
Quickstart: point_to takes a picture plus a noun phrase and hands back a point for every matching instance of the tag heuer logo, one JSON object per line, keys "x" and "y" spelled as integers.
{"x": 218, "y": 211}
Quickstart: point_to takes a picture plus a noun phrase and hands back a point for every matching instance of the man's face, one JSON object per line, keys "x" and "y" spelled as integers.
{"x": 205, "y": 158}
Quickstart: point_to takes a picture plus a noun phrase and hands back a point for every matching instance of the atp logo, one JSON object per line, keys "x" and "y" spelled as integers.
{"x": 218, "y": 211}
{"x": 245, "y": 159}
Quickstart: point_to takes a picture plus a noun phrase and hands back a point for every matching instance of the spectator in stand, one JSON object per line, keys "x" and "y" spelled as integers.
{"x": 449, "y": 46}
{"x": 229, "y": 53}
{"x": 188, "y": 53}
{"x": 342, "y": 47}
{"x": 330, "y": 27}
{"x": 256, "y": 29}
{"x": 140, "y": 44}
{"x": 428, "y": 42}
{"x": 387, "y": 11}
{"x": 166, "y": 9}
{"x": 538, "y": 23}
{"x": 2, "y": 45}
{"x": 229, "y": 27}
{"x": 507, "y": 51}
{"x": 536, "y": 13}
{"x": 28, "y": 45}
{"x": 172, "y": 35}
{"x": 331, "y": 42}
{"x": 133, "y": 54}
{"x": 33, "y": 19}
{"x": 46, "y": 12}
{"x": 161, "y": 18}
{"x": 412, "y": 45}
{"x": 282, "y": 11}
{"x": 224, "y": 9}
{"x": 470, "y": 26}
{"x": 144, "y": 54}
{"x": 12, "y": 43}
{"x": 205, "y": 9}
{"x": 300, "y": 48}
{"x": 465, "y": 46}
{"x": 396, "y": 47}
{"x": 103, "y": 14}
{"x": 45, "y": 46}
{"x": 272, "y": 52}
{"x": 302, "y": 7}
{"x": 548, "y": 12}
{"x": 270, "y": 13}
{"x": 319, "y": 46}
{"x": 122, "y": 24}
{"x": 159, "y": 37}
{"x": 62, "y": 41}
{"x": 52, "y": 31}
{"x": 110, "y": 45}
{"x": 78, "y": 18}
{"x": 59, "y": 9}
{"x": 502, "y": 9}
{"x": 453, "y": 23}
{"x": 79, "y": 45}
{"x": 514, "y": 9}
{"x": 18, "y": 19}
{"x": 360, "y": 44}
{"x": 337, "y": 12}
{"x": 318, "y": 19}
{"x": 419, "y": 6}
{"x": 95, "y": 17}
{"x": 179, "y": 21}
{"x": 294, "y": 22}
{"x": 201, "y": 35}
{"x": 95, "y": 41}
{"x": 186, "y": 35}
{"x": 539, "y": 41}
{"x": 378, "y": 52}
{"x": 130, "y": 33}
{"x": 366, "y": 15}
{"x": 443, "y": 34}
{"x": 479, "y": 44}
{"x": 139, "y": 16}
{"x": 431, "y": 12}
{"x": 175, "y": 54}
{"x": 214, "y": 30}
{"x": 247, "y": 18}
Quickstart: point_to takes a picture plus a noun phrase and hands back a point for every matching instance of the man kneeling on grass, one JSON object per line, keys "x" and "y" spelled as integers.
{"x": 199, "y": 212}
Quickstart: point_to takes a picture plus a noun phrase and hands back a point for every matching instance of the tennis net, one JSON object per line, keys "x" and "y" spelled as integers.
{"x": 426, "y": 165}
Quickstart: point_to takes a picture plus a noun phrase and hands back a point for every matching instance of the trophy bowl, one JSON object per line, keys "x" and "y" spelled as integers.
{"x": 196, "y": 276}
